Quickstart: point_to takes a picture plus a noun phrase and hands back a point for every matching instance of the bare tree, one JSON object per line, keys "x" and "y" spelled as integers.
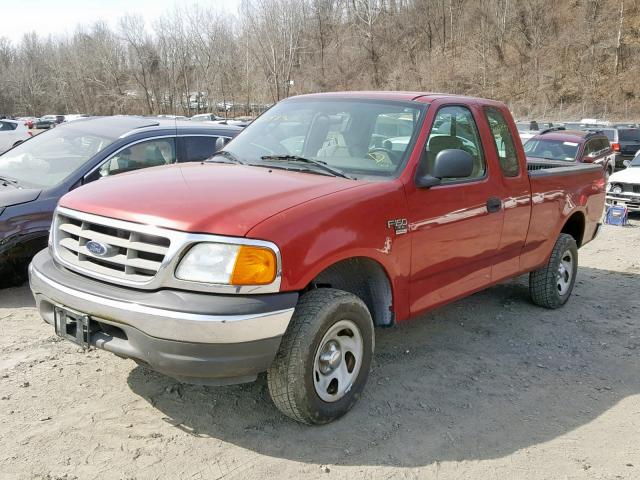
{"x": 544, "y": 57}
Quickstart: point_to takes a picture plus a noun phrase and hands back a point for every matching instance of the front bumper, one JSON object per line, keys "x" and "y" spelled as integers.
{"x": 193, "y": 337}
{"x": 632, "y": 202}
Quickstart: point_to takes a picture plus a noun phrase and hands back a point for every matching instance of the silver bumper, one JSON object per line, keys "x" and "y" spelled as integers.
{"x": 155, "y": 322}
{"x": 632, "y": 202}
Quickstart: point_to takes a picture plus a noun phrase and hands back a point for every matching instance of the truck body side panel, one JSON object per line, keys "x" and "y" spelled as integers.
{"x": 556, "y": 195}
{"x": 317, "y": 234}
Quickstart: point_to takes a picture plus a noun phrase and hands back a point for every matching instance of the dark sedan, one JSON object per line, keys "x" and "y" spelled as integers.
{"x": 35, "y": 174}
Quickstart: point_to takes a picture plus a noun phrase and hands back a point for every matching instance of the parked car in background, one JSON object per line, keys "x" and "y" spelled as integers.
{"x": 49, "y": 121}
{"x": 629, "y": 140}
{"x": 75, "y": 116}
{"x": 173, "y": 117}
{"x": 12, "y": 133}
{"x": 206, "y": 117}
{"x": 224, "y": 106}
{"x": 624, "y": 140}
{"x": 329, "y": 215}
{"x": 28, "y": 121}
{"x": 34, "y": 175}
{"x": 238, "y": 121}
{"x": 624, "y": 186}
{"x": 563, "y": 147}
{"x": 527, "y": 130}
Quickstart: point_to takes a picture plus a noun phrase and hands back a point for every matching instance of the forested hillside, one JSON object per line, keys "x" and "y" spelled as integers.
{"x": 546, "y": 58}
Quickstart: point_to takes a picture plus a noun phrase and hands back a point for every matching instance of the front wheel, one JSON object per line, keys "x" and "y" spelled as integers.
{"x": 551, "y": 285}
{"x": 324, "y": 359}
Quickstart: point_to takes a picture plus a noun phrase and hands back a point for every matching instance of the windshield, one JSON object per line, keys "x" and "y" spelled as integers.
{"x": 551, "y": 149}
{"x": 358, "y": 137}
{"x": 629, "y": 135}
{"x": 636, "y": 161}
{"x": 48, "y": 158}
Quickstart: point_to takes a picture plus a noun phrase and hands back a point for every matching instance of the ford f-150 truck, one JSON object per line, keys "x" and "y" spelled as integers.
{"x": 328, "y": 216}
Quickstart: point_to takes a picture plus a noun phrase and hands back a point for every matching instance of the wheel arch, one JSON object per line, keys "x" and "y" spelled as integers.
{"x": 364, "y": 277}
{"x": 575, "y": 226}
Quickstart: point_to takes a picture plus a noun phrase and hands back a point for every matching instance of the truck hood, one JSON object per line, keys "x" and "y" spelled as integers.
{"x": 10, "y": 195}
{"x": 218, "y": 198}
{"x": 628, "y": 175}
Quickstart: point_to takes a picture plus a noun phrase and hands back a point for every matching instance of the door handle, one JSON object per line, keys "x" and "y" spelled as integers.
{"x": 494, "y": 204}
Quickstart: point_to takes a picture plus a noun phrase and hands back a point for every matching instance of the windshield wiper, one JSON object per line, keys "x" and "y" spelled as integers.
{"x": 318, "y": 163}
{"x": 228, "y": 155}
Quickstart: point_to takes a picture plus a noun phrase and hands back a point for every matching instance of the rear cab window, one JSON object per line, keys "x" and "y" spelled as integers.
{"x": 503, "y": 141}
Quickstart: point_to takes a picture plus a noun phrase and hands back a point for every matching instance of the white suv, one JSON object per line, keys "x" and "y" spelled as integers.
{"x": 12, "y": 133}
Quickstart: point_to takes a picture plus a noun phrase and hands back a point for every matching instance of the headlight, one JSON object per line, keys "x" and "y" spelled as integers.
{"x": 228, "y": 264}
{"x": 617, "y": 189}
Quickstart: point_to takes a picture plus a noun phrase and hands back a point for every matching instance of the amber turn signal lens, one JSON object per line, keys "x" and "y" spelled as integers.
{"x": 254, "y": 266}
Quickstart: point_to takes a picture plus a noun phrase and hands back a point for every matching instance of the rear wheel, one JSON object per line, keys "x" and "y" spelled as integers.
{"x": 551, "y": 285}
{"x": 324, "y": 359}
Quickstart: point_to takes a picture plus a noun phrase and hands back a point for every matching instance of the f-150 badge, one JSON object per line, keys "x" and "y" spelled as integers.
{"x": 399, "y": 225}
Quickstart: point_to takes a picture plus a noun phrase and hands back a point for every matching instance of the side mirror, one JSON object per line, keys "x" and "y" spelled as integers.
{"x": 450, "y": 163}
{"x": 627, "y": 163}
{"x": 220, "y": 143}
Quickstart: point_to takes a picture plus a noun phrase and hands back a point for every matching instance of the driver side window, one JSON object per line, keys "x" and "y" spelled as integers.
{"x": 455, "y": 128}
{"x": 152, "y": 153}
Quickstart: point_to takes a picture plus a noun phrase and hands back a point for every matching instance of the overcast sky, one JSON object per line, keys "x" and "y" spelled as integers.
{"x": 46, "y": 17}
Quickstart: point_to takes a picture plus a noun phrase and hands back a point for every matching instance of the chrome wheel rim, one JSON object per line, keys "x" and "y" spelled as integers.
{"x": 565, "y": 272}
{"x": 337, "y": 361}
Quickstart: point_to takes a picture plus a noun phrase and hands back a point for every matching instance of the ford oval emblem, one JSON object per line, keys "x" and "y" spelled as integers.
{"x": 97, "y": 248}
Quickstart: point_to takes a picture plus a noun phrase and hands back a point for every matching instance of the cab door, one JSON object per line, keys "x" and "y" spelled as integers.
{"x": 512, "y": 186}
{"x": 455, "y": 226}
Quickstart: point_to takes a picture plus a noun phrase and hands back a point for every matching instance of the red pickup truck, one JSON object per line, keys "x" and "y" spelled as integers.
{"x": 328, "y": 216}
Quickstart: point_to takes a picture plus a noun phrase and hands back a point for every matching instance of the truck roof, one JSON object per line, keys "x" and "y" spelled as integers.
{"x": 424, "y": 97}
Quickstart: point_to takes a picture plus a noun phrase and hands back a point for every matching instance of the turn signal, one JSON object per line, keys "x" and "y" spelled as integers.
{"x": 254, "y": 266}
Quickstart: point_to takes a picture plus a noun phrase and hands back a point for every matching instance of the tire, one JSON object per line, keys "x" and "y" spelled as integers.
{"x": 551, "y": 285}
{"x": 325, "y": 321}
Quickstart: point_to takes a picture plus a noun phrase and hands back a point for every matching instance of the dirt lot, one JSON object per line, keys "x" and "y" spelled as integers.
{"x": 490, "y": 387}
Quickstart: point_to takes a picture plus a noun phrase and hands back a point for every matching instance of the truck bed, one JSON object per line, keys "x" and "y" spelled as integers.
{"x": 556, "y": 191}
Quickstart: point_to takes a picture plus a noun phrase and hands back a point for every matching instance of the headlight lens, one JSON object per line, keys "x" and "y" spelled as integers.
{"x": 228, "y": 264}
{"x": 616, "y": 188}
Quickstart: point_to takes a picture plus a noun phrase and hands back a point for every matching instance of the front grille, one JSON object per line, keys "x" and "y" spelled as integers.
{"x": 133, "y": 256}
{"x": 630, "y": 187}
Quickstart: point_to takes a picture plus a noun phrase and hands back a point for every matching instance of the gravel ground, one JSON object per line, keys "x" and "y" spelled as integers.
{"x": 490, "y": 387}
